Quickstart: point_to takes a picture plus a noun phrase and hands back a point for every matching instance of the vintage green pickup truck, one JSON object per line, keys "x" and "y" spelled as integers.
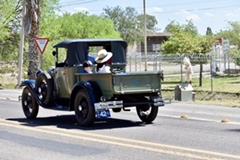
{"x": 91, "y": 96}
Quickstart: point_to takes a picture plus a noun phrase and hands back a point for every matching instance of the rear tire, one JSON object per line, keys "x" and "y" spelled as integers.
{"x": 147, "y": 113}
{"x": 84, "y": 111}
{"x": 29, "y": 104}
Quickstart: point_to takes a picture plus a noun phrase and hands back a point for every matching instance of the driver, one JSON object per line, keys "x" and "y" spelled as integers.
{"x": 87, "y": 66}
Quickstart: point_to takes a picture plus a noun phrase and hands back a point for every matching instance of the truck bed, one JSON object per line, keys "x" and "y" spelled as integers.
{"x": 125, "y": 83}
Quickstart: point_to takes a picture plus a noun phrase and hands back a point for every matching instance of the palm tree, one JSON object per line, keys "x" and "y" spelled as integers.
{"x": 32, "y": 26}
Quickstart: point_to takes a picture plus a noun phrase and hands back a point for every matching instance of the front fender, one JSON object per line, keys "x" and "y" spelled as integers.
{"x": 87, "y": 86}
{"x": 30, "y": 83}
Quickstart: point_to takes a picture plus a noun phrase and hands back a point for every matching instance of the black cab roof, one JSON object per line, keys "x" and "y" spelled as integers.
{"x": 90, "y": 42}
{"x": 77, "y": 49}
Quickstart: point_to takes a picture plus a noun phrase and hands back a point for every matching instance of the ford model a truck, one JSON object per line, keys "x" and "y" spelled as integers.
{"x": 91, "y": 96}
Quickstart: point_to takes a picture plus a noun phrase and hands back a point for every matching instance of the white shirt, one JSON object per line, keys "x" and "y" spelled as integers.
{"x": 104, "y": 69}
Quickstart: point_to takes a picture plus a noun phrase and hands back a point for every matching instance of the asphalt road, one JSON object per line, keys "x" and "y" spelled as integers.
{"x": 56, "y": 135}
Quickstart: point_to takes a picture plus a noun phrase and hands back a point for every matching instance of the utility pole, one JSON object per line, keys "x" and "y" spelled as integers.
{"x": 21, "y": 46}
{"x": 145, "y": 34}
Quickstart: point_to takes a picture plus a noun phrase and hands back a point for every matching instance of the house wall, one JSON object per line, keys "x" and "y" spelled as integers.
{"x": 153, "y": 41}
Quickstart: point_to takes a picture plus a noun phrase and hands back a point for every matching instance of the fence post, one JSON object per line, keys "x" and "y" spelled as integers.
{"x": 159, "y": 61}
{"x": 135, "y": 62}
{"x": 156, "y": 59}
{"x": 130, "y": 63}
{"x": 211, "y": 71}
{"x": 228, "y": 64}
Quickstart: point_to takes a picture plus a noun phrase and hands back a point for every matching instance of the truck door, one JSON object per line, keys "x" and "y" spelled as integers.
{"x": 61, "y": 82}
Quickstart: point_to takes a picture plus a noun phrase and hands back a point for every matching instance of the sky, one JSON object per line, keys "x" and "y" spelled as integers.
{"x": 204, "y": 13}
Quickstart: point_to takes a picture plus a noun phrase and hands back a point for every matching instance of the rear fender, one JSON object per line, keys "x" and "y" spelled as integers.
{"x": 90, "y": 88}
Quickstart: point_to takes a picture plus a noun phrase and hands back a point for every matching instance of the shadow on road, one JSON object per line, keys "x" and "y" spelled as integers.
{"x": 234, "y": 130}
{"x": 69, "y": 122}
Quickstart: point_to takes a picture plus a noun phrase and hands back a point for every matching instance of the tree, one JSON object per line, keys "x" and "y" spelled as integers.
{"x": 32, "y": 28}
{"x": 186, "y": 40}
{"x": 209, "y": 32}
{"x": 7, "y": 15}
{"x": 204, "y": 44}
{"x": 151, "y": 22}
{"x": 129, "y": 23}
{"x": 175, "y": 28}
{"x": 82, "y": 25}
{"x": 181, "y": 42}
{"x": 9, "y": 28}
{"x": 235, "y": 55}
{"x": 125, "y": 22}
{"x": 190, "y": 28}
{"x": 32, "y": 21}
{"x": 232, "y": 33}
{"x": 183, "y": 39}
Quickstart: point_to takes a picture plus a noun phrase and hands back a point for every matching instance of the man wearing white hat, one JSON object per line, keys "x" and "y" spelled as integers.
{"x": 101, "y": 60}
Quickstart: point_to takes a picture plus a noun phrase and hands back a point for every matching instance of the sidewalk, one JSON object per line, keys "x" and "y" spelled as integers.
{"x": 10, "y": 94}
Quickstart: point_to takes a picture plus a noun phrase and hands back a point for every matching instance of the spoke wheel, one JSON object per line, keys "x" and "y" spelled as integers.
{"x": 29, "y": 104}
{"x": 84, "y": 111}
{"x": 44, "y": 87}
{"x": 147, "y": 113}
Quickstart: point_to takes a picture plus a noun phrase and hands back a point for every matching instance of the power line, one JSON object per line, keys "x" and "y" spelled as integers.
{"x": 196, "y": 2}
{"x": 168, "y": 5}
{"x": 200, "y": 9}
{"x": 76, "y": 3}
{"x": 189, "y": 10}
{"x": 72, "y": 2}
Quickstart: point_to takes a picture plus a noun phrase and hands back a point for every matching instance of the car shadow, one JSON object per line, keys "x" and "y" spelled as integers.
{"x": 233, "y": 130}
{"x": 70, "y": 122}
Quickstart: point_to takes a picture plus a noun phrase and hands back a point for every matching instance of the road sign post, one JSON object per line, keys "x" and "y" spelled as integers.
{"x": 41, "y": 44}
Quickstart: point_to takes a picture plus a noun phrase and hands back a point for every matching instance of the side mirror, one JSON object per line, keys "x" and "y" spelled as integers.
{"x": 54, "y": 53}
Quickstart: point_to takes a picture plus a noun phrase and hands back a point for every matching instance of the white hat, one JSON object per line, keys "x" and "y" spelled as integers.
{"x": 103, "y": 56}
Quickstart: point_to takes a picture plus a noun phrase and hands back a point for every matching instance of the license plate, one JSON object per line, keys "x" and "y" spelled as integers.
{"x": 103, "y": 113}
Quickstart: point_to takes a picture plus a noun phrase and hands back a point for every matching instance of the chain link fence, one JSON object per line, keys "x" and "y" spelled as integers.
{"x": 171, "y": 64}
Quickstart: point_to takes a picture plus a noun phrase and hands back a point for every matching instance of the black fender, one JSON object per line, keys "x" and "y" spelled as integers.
{"x": 29, "y": 83}
{"x": 38, "y": 72}
{"x": 90, "y": 87}
{"x": 48, "y": 99}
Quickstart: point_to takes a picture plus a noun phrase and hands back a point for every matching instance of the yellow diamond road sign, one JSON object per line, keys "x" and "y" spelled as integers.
{"x": 41, "y": 43}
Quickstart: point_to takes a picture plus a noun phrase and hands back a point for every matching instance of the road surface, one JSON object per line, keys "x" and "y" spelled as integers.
{"x": 56, "y": 135}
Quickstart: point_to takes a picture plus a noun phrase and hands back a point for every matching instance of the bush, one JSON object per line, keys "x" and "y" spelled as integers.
{"x": 235, "y": 55}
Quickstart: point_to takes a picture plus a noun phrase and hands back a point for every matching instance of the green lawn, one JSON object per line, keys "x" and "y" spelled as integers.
{"x": 226, "y": 89}
{"x": 221, "y": 83}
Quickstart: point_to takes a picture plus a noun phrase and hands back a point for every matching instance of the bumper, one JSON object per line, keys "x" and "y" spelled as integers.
{"x": 108, "y": 105}
{"x": 158, "y": 101}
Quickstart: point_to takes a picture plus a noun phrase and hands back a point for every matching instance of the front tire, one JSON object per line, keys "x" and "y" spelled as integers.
{"x": 44, "y": 87}
{"x": 147, "y": 113}
{"x": 84, "y": 111}
{"x": 29, "y": 104}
